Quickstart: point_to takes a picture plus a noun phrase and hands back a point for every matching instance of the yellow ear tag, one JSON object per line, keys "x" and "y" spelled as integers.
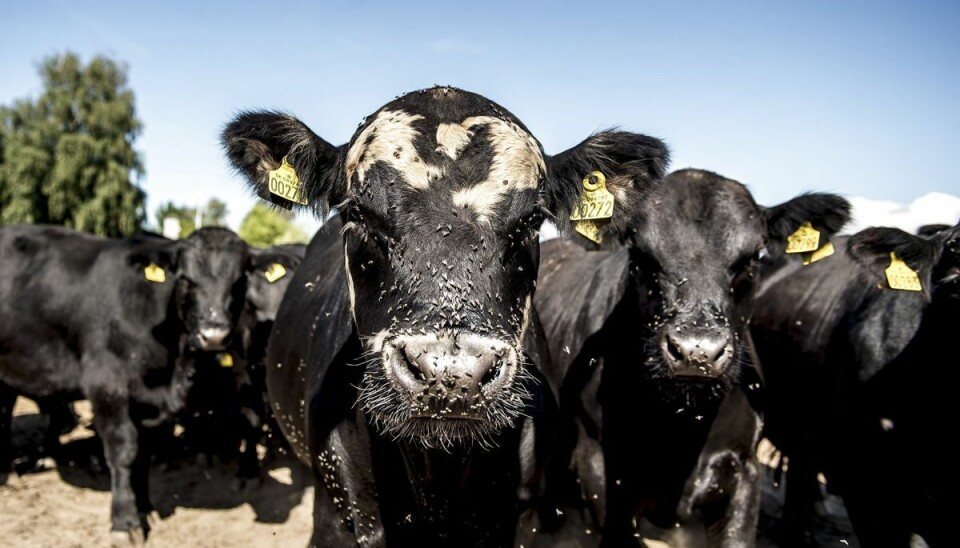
{"x": 153, "y": 273}
{"x": 285, "y": 183}
{"x": 225, "y": 359}
{"x": 596, "y": 204}
{"x": 825, "y": 251}
{"x": 902, "y": 277}
{"x": 805, "y": 239}
{"x": 274, "y": 272}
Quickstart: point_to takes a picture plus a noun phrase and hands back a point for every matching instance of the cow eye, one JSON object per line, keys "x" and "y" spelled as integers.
{"x": 746, "y": 262}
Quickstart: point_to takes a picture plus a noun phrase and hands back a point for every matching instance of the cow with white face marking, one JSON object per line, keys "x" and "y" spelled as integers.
{"x": 403, "y": 360}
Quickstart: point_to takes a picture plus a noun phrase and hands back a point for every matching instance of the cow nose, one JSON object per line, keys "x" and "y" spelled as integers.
{"x": 212, "y": 338}
{"x": 449, "y": 376}
{"x": 697, "y": 353}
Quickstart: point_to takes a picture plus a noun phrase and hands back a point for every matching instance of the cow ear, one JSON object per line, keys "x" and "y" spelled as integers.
{"x": 871, "y": 248}
{"x": 257, "y": 143}
{"x": 631, "y": 165}
{"x": 826, "y": 213}
{"x": 929, "y": 230}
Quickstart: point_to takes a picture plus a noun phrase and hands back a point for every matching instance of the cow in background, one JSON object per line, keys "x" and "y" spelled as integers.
{"x": 660, "y": 394}
{"x": 402, "y": 365}
{"x": 114, "y": 322}
{"x": 228, "y": 413}
{"x": 860, "y": 379}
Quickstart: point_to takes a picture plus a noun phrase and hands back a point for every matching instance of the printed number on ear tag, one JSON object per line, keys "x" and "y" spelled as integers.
{"x": 225, "y": 359}
{"x": 825, "y": 251}
{"x": 596, "y": 202}
{"x": 285, "y": 183}
{"x": 153, "y": 273}
{"x": 274, "y": 272}
{"x": 804, "y": 240}
{"x": 902, "y": 277}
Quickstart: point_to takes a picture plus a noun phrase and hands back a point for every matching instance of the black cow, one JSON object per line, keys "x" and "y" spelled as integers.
{"x": 402, "y": 365}
{"x": 659, "y": 393}
{"x": 112, "y": 321}
{"x": 861, "y": 379}
{"x": 228, "y": 412}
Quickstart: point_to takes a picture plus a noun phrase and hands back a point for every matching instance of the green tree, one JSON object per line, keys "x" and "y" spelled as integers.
{"x": 265, "y": 226}
{"x": 67, "y": 157}
{"x": 214, "y": 214}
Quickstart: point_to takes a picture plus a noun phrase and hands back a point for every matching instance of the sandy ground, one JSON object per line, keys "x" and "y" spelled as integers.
{"x": 197, "y": 505}
{"x": 204, "y": 506}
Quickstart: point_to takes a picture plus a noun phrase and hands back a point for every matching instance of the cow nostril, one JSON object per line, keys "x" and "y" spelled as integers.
{"x": 673, "y": 350}
{"x": 492, "y": 373}
{"x": 412, "y": 367}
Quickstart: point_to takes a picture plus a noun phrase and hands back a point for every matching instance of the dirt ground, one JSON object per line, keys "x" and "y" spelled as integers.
{"x": 204, "y": 506}
{"x": 198, "y": 505}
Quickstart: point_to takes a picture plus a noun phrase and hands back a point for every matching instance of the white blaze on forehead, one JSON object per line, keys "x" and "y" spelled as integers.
{"x": 451, "y": 138}
{"x": 350, "y": 292}
{"x": 517, "y": 165}
{"x": 389, "y": 139}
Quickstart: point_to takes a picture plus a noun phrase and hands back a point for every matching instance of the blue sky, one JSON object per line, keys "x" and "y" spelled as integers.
{"x": 858, "y": 97}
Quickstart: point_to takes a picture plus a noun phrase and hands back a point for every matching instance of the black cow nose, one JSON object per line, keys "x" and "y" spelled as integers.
{"x": 698, "y": 353}
{"x": 448, "y": 376}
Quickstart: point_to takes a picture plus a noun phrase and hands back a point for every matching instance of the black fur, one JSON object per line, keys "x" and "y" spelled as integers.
{"x": 860, "y": 382}
{"x": 78, "y": 320}
{"x": 430, "y": 269}
{"x": 691, "y": 270}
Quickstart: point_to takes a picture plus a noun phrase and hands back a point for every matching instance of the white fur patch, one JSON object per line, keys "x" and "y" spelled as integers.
{"x": 517, "y": 165}
{"x": 451, "y": 138}
{"x": 350, "y": 292}
{"x": 389, "y": 139}
{"x": 526, "y": 321}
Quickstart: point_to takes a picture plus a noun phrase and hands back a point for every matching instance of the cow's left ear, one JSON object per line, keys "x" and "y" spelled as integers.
{"x": 825, "y": 213}
{"x": 630, "y": 166}
{"x": 872, "y": 249}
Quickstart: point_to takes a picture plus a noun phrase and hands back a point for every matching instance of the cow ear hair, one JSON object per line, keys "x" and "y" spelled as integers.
{"x": 257, "y": 142}
{"x": 827, "y": 213}
{"x": 871, "y": 249}
{"x": 632, "y": 166}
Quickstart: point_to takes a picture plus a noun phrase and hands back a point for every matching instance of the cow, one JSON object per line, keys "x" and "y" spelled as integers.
{"x": 660, "y": 394}
{"x": 228, "y": 412}
{"x": 113, "y": 321}
{"x": 860, "y": 382}
{"x": 403, "y": 362}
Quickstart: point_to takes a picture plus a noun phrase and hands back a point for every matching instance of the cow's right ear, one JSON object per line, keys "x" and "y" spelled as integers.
{"x": 631, "y": 165}
{"x": 258, "y": 142}
{"x": 871, "y": 248}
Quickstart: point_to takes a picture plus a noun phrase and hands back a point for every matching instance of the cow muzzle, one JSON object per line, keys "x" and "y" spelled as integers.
{"x": 212, "y": 337}
{"x": 450, "y": 377}
{"x": 697, "y": 353}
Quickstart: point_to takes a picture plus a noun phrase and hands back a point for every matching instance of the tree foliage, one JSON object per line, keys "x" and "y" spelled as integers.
{"x": 214, "y": 213}
{"x": 67, "y": 157}
{"x": 265, "y": 226}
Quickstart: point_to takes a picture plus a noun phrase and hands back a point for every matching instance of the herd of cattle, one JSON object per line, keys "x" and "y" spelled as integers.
{"x": 452, "y": 382}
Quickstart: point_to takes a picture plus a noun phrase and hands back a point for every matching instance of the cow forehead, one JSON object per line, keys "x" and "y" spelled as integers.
{"x": 700, "y": 218}
{"x": 508, "y": 157}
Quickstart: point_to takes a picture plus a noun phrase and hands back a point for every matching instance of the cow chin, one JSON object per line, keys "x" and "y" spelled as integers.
{"x": 440, "y": 391}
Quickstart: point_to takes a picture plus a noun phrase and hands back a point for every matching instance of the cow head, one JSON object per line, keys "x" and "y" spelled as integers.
{"x": 210, "y": 286}
{"x": 268, "y": 275}
{"x": 442, "y": 193}
{"x": 695, "y": 259}
{"x": 935, "y": 258}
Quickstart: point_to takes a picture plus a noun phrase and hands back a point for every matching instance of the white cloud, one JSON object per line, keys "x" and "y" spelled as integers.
{"x": 934, "y": 207}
